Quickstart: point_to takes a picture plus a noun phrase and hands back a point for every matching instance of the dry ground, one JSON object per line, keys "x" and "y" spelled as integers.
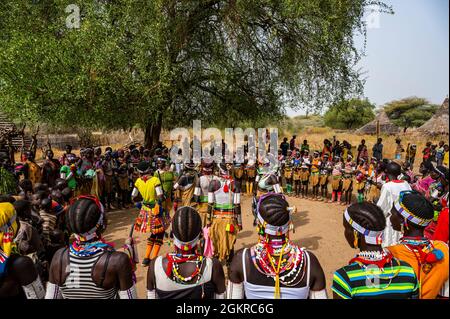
{"x": 318, "y": 227}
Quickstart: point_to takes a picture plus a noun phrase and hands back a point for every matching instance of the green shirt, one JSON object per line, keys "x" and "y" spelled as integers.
{"x": 71, "y": 182}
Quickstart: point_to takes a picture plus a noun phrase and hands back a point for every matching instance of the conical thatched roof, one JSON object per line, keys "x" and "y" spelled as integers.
{"x": 386, "y": 126}
{"x": 438, "y": 124}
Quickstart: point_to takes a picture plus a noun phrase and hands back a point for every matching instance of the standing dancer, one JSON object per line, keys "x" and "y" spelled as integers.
{"x": 151, "y": 217}
{"x": 336, "y": 180}
{"x": 316, "y": 163}
{"x": 297, "y": 163}
{"x": 347, "y": 181}
{"x": 166, "y": 178}
{"x": 304, "y": 180}
{"x": 288, "y": 172}
{"x": 275, "y": 267}
{"x": 224, "y": 212}
{"x": 184, "y": 273}
{"x": 50, "y": 169}
{"x": 250, "y": 175}
{"x": 324, "y": 174}
{"x": 202, "y": 189}
{"x": 360, "y": 179}
{"x": 184, "y": 188}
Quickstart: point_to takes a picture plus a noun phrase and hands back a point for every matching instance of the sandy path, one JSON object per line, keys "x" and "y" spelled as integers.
{"x": 318, "y": 227}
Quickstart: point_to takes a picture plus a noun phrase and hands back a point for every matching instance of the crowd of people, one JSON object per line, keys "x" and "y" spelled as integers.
{"x": 53, "y": 215}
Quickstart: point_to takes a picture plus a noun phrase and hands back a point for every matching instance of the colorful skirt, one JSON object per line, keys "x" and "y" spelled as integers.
{"x": 151, "y": 220}
{"x": 360, "y": 185}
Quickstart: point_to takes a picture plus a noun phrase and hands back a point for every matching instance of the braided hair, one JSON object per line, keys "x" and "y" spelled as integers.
{"x": 418, "y": 205}
{"x": 274, "y": 210}
{"x": 368, "y": 215}
{"x": 83, "y": 216}
{"x": 186, "y": 224}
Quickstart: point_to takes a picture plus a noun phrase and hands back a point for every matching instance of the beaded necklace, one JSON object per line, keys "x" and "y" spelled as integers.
{"x": 379, "y": 259}
{"x": 263, "y": 257}
{"x": 173, "y": 267}
{"x": 85, "y": 249}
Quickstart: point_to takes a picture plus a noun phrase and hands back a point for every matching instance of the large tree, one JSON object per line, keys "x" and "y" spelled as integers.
{"x": 165, "y": 62}
{"x": 349, "y": 114}
{"x": 410, "y": 112}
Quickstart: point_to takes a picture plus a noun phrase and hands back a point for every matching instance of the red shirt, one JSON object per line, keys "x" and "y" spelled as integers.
{"x": 441, "y": 232}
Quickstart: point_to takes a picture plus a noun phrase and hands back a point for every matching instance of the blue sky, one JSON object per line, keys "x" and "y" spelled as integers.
{"x": 408, "y": 53}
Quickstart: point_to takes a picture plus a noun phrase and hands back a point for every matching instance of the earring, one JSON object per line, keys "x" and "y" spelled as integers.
{"x": 355, "y": 242}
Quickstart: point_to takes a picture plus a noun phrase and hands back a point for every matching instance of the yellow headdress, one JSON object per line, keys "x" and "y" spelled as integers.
{"x": 8, "y": 229}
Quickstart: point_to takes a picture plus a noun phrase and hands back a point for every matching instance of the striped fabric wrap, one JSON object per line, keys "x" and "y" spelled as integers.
{"x": 371, "y": 237}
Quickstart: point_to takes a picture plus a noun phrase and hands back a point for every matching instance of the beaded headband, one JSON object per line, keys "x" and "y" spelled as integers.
{"x": 268, "y": 228}
{"x": 371, "y": 236}
{"x": 407, "y": 214}
{"x": 185, "y": 246}
{"x": 92, "y": 233}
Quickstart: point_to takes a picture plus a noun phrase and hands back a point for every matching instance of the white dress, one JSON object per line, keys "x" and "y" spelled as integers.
{"x": 389, "y": 194}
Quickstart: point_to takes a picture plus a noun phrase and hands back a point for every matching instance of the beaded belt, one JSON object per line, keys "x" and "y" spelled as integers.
{"x": 218, "y": 213}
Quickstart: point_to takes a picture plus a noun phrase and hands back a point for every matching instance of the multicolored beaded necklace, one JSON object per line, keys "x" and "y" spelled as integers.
{"x": 86, "y": 249}
{"x": 263, "y": 257}
{"x": 424, "y": 251}
{"x": 379, "y": 259}
{"x": 173, "y": 267}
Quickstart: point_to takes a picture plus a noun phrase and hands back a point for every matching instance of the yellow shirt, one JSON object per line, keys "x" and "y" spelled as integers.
{"x": 147, "y": 188}
{"x": 445, "y": 161}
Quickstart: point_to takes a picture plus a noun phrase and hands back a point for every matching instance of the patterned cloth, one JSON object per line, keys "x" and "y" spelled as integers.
{"x": 355, "y": 281}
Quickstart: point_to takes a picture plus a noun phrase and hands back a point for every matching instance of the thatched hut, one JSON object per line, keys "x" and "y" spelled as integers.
{"x": 438, "y": 123}
{"x": 385, "y": 124}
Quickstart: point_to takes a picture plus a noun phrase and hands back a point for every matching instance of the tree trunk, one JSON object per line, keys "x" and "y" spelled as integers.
{"x": 152, "y": 132}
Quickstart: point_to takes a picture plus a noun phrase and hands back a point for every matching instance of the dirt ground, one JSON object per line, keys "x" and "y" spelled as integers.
{"x": 318, "y": 228}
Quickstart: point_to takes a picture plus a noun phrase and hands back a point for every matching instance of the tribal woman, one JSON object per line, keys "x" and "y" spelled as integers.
{"x": 315, "y": 175}
{"x": 361, "y": 178}
{"x": 275, "y": 268}
{"x": 297, "y": 163}
{"x": 18, "y": 275}
{"x": 347, "y": 180}
{"x": 166, "y": 177}
{"x": 287, "y": 172}
{"x": 151, "y": 217}
{"x": 304, "y": 179}
{"x": 202, "y": 189}
{"x": 411, "y": 213}
{"x": 185, "y": 274}
{"x": 184, "y": 188}
{"x": 373, "y": 272}
{"x": 224, "y": 212}
{"x": 324, "y": 173}
{"x": 89, "y": 268}
{"x": 31, "y": 169}
{"x": 336, "y": 180}
{"x": 50, "y": 169}
{"x": 250, "y": 175}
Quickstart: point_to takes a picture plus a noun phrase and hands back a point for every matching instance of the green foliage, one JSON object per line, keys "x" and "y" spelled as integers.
{"x": 349, "y": 114}
{"x": 174, "y": 61}
{"x": 410, "y": 112}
